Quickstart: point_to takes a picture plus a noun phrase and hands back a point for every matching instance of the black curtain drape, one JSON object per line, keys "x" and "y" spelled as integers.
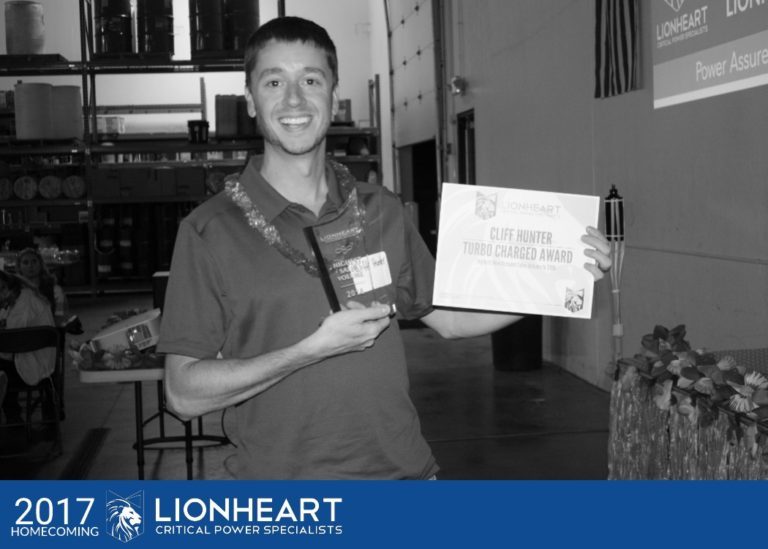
{"x": 616, "y": 46}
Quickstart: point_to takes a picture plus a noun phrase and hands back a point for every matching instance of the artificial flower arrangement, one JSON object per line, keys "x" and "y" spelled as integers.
{"x": 697, "y": 383}
{"x": 84, "y": 357}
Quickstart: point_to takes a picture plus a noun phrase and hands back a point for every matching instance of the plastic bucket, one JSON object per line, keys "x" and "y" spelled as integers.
{"x": 155, "y": 26}
{"x": 241, "y": 18}
{"x": 24, "y": 28}
{"x": 198, "y": 131}
{"x": 113, "y": 33}
{"x": 112, "y": 7}
{"x": 205, "y": 27}
{"x": 154, "y": 7}
{"x": 155, "y": 34}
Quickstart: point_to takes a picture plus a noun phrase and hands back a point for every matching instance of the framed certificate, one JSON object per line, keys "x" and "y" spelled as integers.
{"x": 514, "y": 250}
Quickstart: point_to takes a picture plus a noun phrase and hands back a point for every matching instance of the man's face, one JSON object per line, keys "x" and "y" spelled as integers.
{"x": 292, "y": 95}
{"x": 29, "y": 266}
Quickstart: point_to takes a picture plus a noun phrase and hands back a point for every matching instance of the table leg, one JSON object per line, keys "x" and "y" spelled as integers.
{"x": 188, "y": 447}
{"x": 139, "y": 428}
{"x": 161, "y": 407}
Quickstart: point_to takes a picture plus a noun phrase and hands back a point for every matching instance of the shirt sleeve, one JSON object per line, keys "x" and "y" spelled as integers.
{"x": 194, "y": 319}
{"x": 417, "y": 275}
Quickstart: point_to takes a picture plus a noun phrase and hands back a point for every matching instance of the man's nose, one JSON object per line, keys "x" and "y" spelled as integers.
{"x": 294, "y": 95}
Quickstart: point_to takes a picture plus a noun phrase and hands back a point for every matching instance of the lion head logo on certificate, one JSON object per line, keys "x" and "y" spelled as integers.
{"x": 485, "y": 205}
{"x": 574, "y": 300}
{"x": 124, "y": 520}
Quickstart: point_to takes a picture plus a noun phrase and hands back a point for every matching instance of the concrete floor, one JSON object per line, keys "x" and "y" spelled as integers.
{"x": 482, "y": 423}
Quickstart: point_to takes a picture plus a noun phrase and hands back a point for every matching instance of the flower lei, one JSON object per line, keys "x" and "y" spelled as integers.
{"x": 256, "y": 220}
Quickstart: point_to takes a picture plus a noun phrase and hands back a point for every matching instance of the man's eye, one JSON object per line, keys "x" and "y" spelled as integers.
{"x": 273, "y": 83}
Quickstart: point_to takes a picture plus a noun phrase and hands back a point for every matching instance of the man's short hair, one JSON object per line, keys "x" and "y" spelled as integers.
{"x": 290, "y": 29}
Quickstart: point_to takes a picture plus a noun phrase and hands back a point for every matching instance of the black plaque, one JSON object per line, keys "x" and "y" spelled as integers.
{"x": 351, "y": 260}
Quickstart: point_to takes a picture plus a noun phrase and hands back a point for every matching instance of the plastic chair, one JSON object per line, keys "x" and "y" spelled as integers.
{"x": 46, "y": 395}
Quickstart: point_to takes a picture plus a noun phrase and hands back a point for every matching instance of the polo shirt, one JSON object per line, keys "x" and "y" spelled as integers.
{"x": 349, "y": 416}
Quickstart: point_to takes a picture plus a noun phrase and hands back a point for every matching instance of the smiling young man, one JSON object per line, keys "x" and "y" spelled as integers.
{"x": 246, "y": 321}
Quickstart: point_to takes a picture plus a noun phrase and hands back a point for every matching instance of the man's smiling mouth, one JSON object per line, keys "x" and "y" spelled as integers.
{"x": 294, "y": 121}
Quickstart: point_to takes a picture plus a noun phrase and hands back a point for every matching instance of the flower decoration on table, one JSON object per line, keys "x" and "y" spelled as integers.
{"x": 684, "y": 377}
{"x": 85, "y": 357}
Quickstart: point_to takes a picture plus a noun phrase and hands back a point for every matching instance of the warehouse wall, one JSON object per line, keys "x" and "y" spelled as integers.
{"x": 693, "y": 176}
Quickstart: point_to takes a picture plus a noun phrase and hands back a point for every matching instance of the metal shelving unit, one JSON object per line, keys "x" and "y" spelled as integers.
{"x": 94, "y": 153}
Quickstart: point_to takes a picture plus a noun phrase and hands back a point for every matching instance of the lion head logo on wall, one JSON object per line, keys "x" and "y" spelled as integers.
{"x": 675, "y": 4}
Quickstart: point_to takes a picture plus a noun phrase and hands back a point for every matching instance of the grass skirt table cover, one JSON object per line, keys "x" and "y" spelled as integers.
{"x": 648, "y": 443}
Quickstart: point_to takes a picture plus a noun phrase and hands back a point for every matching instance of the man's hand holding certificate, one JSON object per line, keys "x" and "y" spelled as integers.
{"x": 514, "y": 250}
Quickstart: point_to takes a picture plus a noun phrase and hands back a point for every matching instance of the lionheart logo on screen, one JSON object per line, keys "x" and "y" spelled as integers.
{"x": 125, "y": 515}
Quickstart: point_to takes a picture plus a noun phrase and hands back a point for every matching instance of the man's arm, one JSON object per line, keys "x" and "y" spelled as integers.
{"x": 197, "y": 386}
{"x": 451, "y": 323}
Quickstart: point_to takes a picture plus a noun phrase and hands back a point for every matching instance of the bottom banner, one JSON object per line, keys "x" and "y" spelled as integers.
{"x": 378, "y": 514}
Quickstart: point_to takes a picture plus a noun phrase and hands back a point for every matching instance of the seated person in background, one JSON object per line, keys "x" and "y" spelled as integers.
{"x": 30, "y": 265}
{"x": 22, "y": 306}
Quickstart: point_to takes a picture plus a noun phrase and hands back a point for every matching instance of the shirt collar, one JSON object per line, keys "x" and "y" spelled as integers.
{"x": 270, "y": 202}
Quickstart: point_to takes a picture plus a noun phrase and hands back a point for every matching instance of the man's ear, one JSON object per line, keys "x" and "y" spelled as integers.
{"x": 251, "y": 105}
{"x": 335, "y": 102}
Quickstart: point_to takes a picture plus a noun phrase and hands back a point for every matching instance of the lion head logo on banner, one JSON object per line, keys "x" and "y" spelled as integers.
{"x": 124, "y": 520}
{"x": 675, "y": 4}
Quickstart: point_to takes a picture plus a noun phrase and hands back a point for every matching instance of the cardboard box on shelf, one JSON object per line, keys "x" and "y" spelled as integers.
{"x": 107, "y": 183}
{"x": 134, "y": 182}
{"x": 162, "y": 182}
{"x": 190, "y": 181}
